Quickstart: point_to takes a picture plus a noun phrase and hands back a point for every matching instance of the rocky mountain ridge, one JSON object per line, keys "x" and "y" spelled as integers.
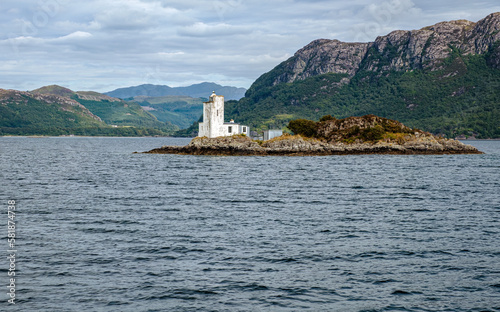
{"x": 400, "y": 50}
{"x": 444, "y": 79}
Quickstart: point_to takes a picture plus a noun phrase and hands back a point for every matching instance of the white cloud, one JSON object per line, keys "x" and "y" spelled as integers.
{"x": 170, "y": 54}
{"x": 77, "y": 35}
{"x": 200, "y": 29}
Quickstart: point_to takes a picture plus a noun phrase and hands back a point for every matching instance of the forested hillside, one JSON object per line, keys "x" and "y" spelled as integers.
{"x": 444, "y": 79}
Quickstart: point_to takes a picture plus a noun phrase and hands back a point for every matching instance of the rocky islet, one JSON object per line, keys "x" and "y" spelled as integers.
{"x": 333, "y": 137}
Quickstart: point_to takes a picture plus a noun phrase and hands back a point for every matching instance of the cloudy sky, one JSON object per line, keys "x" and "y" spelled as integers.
{"x": 103, "y": 45}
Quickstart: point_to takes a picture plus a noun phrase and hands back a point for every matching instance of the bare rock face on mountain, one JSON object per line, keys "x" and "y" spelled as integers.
{"x": 483, "y": 35}
{"x": 324, "y": 56}
{"x": 399, "y": 50}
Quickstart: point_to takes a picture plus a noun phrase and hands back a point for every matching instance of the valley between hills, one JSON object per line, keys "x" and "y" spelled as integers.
{"x": 443, "y": 79}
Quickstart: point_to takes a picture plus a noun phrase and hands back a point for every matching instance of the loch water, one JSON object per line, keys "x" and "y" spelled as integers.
{"x": 99, "y": 228}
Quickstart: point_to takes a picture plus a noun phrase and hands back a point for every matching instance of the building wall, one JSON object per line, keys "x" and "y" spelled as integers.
{"x": 269, "y": 134}
{"x": 234, "y": 129}
{"x": 245, "y": 130}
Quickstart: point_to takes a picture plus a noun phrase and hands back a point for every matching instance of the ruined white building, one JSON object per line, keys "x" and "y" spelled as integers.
{"x": 213, "y": 124}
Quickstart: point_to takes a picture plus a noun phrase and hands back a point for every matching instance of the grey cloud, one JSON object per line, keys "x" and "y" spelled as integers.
{"x": 103, "y": 45}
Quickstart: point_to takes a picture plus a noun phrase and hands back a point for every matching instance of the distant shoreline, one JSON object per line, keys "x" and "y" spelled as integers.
{"x": 84, "y": 136}
{"x": 174, "y": 137}
{"x": 478, "y": 139}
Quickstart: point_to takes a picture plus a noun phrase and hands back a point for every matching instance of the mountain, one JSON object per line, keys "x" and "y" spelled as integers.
{"x": 54, "y": 110}
{"x": 54, "y": 90}
{"x": 443, "y": 78}
{"x": 180, "y": 110}
{"x": 121, "y": 113}
{"x": 33, "y": 113}
{"x": 202, "y": 90}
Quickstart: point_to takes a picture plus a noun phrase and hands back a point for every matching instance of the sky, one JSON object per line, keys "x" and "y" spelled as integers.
{"x": 104, "y": 45}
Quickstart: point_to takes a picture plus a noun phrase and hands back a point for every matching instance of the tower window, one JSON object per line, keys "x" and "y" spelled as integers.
{"x": 229, "y": 129}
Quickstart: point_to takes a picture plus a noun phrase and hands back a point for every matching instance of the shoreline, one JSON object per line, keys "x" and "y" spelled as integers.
{"x": 299, "y": 146}
{"x": 478, "y": 139}
{"x": 85, "y": 136}
{"x": 310, "y": 154}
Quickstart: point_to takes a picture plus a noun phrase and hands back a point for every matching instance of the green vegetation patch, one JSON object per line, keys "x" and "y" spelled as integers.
{"x": 369, "y": 128}
{"x": 121, "y": 113}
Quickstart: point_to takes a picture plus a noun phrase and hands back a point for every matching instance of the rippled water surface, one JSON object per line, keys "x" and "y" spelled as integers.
{"x": 102, "y": 229}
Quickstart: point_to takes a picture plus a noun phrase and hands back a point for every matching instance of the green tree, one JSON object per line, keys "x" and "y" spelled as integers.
{"x": 303, "y": 127}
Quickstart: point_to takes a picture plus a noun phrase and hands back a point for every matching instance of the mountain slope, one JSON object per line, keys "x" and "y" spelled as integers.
{"x": 122, "y": 113}
{"x": 443, "y": 78}
{"x": 198, "y": 90}
{"x": 54, "y": 110}
{"x": 111, "y": 110}
{"x": 32, "y": 113}
{"x": 179, "y": 110}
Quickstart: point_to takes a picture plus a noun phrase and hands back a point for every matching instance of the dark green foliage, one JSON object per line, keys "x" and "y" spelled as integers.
{"x": 372, "y": 134}
{"x": 461, "y": 98}
{"x": 326, "y": 118}
{"x": 368, "y": 128}
{"x": 303, "y": 127}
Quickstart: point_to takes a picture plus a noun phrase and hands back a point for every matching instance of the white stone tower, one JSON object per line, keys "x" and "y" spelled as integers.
{"x": 213, "y": 117}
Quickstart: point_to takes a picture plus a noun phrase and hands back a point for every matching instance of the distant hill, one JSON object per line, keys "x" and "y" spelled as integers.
{"x": 202, "y": 90}
{"x": 54, "y": 90}
{"x": 25, "y": 113}
{"x": 444, "y": 79}
{"x": 123, "y": 113}
{"x": 179, "y": 110}
{"x": 54, "y": 110}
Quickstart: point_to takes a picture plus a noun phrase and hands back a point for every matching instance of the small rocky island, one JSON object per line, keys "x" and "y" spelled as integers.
{"x": 350, "y": 136}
